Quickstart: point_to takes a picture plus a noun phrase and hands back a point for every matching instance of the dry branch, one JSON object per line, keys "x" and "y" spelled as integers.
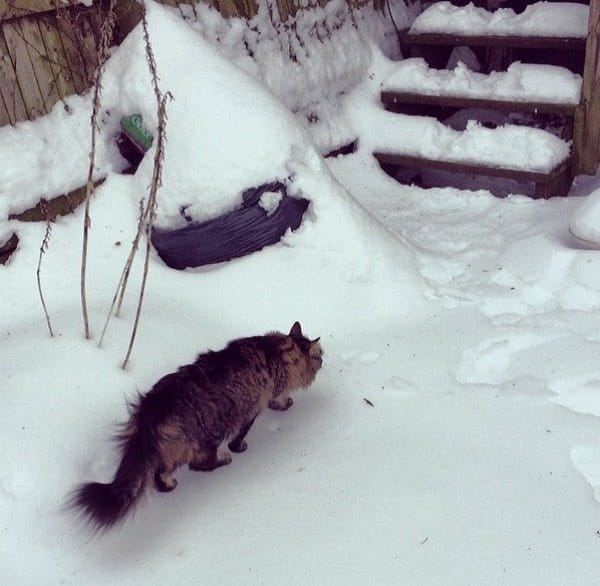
{"x": 43, "y": 249}
{"x": 106, "y": 31}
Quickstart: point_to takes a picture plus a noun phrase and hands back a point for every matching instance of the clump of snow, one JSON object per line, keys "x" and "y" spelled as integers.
{"x": 585, "y": 223}
{"x": 520, "y": 82}
{"x": 269, "y": 201}
{"x": 545, "y": 19}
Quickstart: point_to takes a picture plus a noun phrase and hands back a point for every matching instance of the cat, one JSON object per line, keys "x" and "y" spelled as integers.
{"x": 196, "y": 415}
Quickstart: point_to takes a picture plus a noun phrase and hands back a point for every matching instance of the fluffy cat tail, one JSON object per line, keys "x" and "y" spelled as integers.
{"x": 102, "y": 506}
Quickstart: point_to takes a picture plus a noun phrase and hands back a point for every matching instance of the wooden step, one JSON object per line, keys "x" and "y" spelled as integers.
{"x": 392, "y": 99}
{"x": 507, "y": 41}
{"x": 553, "y": 183}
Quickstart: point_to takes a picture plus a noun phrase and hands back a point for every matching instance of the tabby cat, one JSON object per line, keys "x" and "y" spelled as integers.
{"x": 197, "y": 414}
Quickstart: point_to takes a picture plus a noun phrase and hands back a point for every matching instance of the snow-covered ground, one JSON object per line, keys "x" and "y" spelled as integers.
{"x": 452, "y": 436}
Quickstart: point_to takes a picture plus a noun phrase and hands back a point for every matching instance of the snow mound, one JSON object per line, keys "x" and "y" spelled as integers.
{"x": 521, "y": 82}
{"x": 585, "y": 222}
{"x": 545, "y": 19}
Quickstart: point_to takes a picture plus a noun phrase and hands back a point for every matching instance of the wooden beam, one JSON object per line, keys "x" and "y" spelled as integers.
{"x": 391, "y": 98}
{"x": 586, "y": 141}
{"x": 558, "y": 43}
{"x": 554, "y": 183}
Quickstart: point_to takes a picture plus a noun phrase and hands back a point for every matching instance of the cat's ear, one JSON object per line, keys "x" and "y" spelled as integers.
{"x": 296, "y": 331}
{"x": 315, "y": 341}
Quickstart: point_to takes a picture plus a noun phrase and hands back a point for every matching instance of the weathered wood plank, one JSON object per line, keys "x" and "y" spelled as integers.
{"x": 24, "y": 70}
{"x": 29, "y": 30}
{"x": 587, "y": 120}
{"x": 465, "y": 167}
{"x": 391, "y": 98}
{"x": 73, "y": 50}
{"x": 558, "y": 43}
{"x": 62, "y": 74}
{"x": 554, "y": 183}
{"x": 10, "y": 91}
{"x": 18, "y": 8}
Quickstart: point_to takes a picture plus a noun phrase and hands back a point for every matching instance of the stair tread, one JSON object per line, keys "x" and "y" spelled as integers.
{"x": 521, "y": 148}
{"x": 514, "y": 41}
{"x": 541, "y": 23}
{"x": 523, "y": 87}
{"x": 478, "y": 168}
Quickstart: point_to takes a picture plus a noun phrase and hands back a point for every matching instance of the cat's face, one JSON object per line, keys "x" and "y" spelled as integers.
{"x": 312, "y": 353}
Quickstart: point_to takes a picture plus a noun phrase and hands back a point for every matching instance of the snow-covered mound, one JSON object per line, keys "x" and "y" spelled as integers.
{"x": 545, "y": 19}
{"x": 585, "y": 222}
{"x": 520, "y": 82}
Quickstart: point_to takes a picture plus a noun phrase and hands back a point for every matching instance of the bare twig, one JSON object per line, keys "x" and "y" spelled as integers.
{"x": 150, "y": 210}
{"x": 122, "y": 285}
{"x": 108, "y": 24}
{"x": 43, "y": 249}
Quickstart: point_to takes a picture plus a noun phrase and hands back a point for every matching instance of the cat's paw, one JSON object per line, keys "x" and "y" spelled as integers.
{"x": 164, "y": 484}
{"x": 238, "y": 447}
{"x": 273, "y": 404}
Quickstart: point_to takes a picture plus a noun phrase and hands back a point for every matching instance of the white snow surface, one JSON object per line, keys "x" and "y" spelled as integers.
{"x": 543, "y": 19}
{"x": 585, "y": 223}
{"x": 470, "y": 323}
{"x": 520, "y": 82}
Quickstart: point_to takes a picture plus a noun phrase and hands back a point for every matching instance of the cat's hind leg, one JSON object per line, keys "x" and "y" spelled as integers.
{"x": 207, "y": 458}
{"x": 237, "y": 444}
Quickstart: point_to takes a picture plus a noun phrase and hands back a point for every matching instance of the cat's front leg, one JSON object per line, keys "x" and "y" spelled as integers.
{"x": 281, "y": 403}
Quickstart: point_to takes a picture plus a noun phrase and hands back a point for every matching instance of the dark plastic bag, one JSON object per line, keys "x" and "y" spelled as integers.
{"x": 242, "y": 231}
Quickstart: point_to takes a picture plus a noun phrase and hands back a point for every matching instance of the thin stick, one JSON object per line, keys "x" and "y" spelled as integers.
{"x": 150, "y": 211}
{"x": 43, "y": 249}
{"x": 106, "y": 30}
{"x": 122, "y": 284}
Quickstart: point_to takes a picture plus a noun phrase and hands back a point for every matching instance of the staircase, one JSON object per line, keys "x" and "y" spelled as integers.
{"x": 422, "y": 87}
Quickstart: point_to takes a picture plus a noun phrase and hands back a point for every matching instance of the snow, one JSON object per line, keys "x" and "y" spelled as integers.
{"x": 520, "y": 82}
{"x": 469, "y": 322}
{"x": 585, "y": 223}
{"x": 269, "y": 201}
{"x": 542, "y": 19}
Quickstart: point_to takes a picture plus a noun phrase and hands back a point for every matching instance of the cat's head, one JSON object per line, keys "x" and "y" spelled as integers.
{"x": 311, "y": 352}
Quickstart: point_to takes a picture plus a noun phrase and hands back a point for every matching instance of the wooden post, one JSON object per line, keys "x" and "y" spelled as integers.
{"x": 586, "y": 140}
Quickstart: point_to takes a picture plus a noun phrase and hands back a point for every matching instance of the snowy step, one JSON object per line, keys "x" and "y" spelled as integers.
{"x": 555, "y": 182}
{"x": 543, "y": 25}
{"x": 546, "y": 89}
{"x": 518, "y": 152}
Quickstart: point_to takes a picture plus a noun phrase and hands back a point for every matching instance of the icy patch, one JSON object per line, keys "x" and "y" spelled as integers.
{"x": 579, "y": 393}
{"x": 586, "y": 459}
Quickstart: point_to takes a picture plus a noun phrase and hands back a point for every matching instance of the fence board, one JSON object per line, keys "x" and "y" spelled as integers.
{"x": 14, "y": 107}
{"x": 55, "y": 52}
{"x": 18, "y": 8}
{"x": 44, "y": 74}
{"x": 25, "y": 73}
